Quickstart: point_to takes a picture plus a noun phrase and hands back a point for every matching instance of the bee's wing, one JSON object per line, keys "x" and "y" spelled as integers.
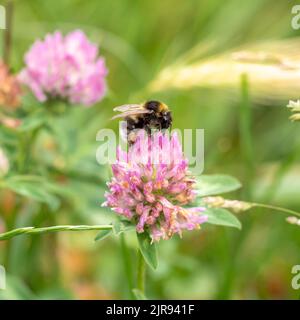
{"x": 131, "y": 113}
{"x": 128, "y": 107}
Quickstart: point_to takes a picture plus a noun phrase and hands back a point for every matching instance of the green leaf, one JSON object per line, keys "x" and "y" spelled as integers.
{"x": 16, "y": 290}
{"x": 103, "y": 234}
{"x": 33, "y": 187}
{"x": 148, "y": 250}
{"x": 7, "y": 137}
{"x": 222, "y": 217}
{"x": 30, "y": 103}
{"x": 34, "y": 121}
{"x": 138, "y": 294}
{"x": 208, "y": 185}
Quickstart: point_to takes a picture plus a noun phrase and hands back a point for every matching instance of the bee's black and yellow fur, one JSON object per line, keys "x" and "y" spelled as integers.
{"x": 160, "y": 118}
{"x": 151, "y": 115}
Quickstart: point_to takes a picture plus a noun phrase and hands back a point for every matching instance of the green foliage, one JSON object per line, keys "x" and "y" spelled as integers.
{"x": 138, "y": 294}
{"x": 211, "y": 185}
{"x": 121, "y": 226}
{"x": 208, "y": 185}
{"x": 222, "y": 217}
{"x": 148, "y": 249}
{"x": 34, "y": 121}
{"x": 16, "y": 289}
{"x": 33, "y": 187}
{"x": 103, "y": 234}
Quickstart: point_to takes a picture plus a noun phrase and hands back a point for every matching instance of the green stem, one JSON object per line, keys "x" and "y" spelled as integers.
{"x": 8, "y": 32}
{"x": 230, "y": 274}
{"x": 32, "y": 230}
{"x": 141, "y": 272}
{"x": 21, "y": 154}
{"x": 246, "y": 148}
{"x": 126, "y": 258}
{"x": 10, "y": 224}
{"x": 245, "y": 132}
{"x": 280, "y": 209}
{"x": 283, "y": 169}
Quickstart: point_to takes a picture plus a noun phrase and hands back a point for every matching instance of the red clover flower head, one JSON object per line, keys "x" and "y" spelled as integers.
{"x": 65, "y": 67}
{"x": 151, "y": 185}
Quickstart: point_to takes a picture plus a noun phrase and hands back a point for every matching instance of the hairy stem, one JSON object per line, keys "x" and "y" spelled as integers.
{"x": 141, "y": 272}
{"x": 126, "y": 258}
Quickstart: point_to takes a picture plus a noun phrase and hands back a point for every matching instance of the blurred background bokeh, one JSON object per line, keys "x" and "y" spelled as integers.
{"x": 147, "y": 46}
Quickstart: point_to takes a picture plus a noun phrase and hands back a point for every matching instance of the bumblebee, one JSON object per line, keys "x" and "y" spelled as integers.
{"x": 151, "y": 115}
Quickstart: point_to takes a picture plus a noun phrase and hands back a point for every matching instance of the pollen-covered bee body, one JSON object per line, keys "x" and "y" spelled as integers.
{"x": 152, "y": 115}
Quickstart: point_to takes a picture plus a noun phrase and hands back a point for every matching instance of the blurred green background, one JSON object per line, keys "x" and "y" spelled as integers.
{"x": 138, "y": 39}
